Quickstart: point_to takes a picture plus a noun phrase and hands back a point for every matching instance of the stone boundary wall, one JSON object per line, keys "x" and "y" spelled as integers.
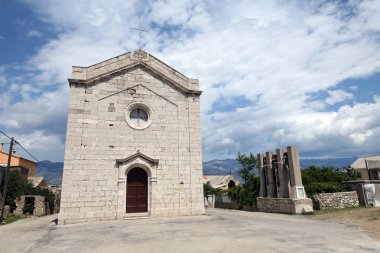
{"x": 209, "y": 201}
{"x": 39, "y": 205}
{"x": 224, "y": 202}
{"x": 7, "y": 211}
{"x": 335, "y": 200}
{"x": 284, "y": 205}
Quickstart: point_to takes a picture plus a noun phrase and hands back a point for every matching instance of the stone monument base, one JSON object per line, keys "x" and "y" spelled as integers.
{"x": 284, "y": 205}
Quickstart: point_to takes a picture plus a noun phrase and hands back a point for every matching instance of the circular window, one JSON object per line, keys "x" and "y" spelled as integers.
{"x": 138, "y": 115}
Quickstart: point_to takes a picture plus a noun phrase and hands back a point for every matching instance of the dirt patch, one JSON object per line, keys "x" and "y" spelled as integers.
{"x": 365, "y": 219}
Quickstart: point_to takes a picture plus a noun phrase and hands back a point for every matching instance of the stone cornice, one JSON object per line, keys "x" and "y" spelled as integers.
{"x": 136, "y": 155}
{"x": 157, "y": 67}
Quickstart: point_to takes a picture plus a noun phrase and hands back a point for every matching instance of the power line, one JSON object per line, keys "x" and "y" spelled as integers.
{"x": 5, "y": 134}
{"x": 35, "y": 158}
{"x": 38, "y": 161}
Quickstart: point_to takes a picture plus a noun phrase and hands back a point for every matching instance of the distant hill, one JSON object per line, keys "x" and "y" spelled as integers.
{"x": 213, "y": 167}
{"x": 224, "y": 167}
{"x": 221, "y": 167}
{"x": 338, "y": 163}
{"x": 53, "y": 175}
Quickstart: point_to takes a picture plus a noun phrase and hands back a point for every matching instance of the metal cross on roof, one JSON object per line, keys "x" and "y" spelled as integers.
{"x": 140, "y": 32}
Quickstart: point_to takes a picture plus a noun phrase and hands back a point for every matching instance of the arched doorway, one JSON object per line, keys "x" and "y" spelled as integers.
{"x": 137, "y": 191}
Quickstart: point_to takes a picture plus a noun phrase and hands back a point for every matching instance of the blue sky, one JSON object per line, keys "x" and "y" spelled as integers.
{"x": 21, "y": 32}
{"x": 274, "y": 73}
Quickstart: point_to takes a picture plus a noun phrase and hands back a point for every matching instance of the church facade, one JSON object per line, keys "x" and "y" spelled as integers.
{"x": 133, "y": 145}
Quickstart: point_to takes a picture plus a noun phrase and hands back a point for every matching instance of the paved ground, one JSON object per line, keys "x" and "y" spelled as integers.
{"x": 218, "y": 231}
{"x": 366, "y": 219}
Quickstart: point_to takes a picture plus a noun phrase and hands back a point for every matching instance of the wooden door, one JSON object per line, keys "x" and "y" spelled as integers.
{"x": 137, "y": 191}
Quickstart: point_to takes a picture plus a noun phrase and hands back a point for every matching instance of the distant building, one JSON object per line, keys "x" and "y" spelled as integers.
{"x": 26, "y": 167}
{"x": 368, "y": 167}
{"x": 38, "y": 182}
{"x": 221, "y": 181}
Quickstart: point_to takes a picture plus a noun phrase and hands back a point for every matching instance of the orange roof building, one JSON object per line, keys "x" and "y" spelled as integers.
{"x": 17, "y": 161}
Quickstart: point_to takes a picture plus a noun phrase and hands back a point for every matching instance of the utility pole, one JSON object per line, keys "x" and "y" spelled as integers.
{"x": 6, "y": 179}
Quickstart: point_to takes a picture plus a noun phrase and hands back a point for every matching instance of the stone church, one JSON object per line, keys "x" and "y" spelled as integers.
{"x": 133, "y": 145}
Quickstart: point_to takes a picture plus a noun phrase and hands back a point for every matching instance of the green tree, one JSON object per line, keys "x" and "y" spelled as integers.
{"x": 49, "y": 196}
{"x": 209, "y": 190}
{"x": 248, "y": 168}
{"x": 19, "y": 186}
{"x": 246, "y": 193}
{"x": 326, "y": 179}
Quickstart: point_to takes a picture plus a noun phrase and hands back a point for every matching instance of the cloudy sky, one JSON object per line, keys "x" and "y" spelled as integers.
{"x": 274, "y": 73}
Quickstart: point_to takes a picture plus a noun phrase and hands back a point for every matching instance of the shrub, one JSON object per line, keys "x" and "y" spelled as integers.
{"x": 322, "y": 187}
{"x": 243, "y": 195}
{"x": 20, "y": 186}
{"x": 246, "y": 194}
{"x": 315, "y": 174}
{"x": 209, "y": 190}
{"x": 325, "y": 180}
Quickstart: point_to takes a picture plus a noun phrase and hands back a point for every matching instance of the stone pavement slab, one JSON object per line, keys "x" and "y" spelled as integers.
{"x": 217, "y": 231}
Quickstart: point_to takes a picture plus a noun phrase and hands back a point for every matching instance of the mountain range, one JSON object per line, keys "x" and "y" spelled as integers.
{"x": 52, "y": 171}
{"x": 227, "y": 166}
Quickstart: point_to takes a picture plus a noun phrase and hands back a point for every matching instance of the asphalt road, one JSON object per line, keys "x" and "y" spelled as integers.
{"x": 217, "y": 231}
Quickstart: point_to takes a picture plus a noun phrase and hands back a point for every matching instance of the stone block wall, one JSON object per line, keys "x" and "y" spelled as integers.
{"x": 222, "y": 202}
{"x": 209, "y": 201}
{"x": 7, "y": 211}
{"x": 335, "y": 200}
{"x": 39, "y": 205}
{"x": 226, "y": 202}
{"x": 98, "y": 135}
{"x": 284, "y": 205}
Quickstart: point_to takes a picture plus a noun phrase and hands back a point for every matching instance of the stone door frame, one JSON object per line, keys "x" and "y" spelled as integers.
{"x": 149, "y": 176}
{"x": 124, "y": 166}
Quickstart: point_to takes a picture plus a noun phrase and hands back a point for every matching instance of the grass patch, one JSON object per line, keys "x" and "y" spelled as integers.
{"x": 375, "y": 215}
{"x": 338, "y": 210}
{"x": 12, "y": 218}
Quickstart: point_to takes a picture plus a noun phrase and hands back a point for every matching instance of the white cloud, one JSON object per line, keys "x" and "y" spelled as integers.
{"x": 42, "y": 112}
{"x": 270, "y": 52}
{"x": 2, "y": 37}
{"x": 337, "y": 96}
{"x": 55, "y": 59}
{"x": 37, "y": 120}
{"x": 44, "y": 145}
{"x": 34, "y": 34}
{"x": 3, "y": 79}
{"x": 353, "y": 87}
{"x": 352, "y": 130}
{"x": 361, "y": 138}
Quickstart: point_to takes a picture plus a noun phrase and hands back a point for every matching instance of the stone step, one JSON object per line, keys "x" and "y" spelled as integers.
{"x": 135, "y": 216}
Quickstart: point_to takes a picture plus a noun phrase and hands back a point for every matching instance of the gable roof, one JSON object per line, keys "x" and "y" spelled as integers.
{"x": 219, "y": 181}
{"x": 36, "y": 181}
{"x": 361, "y": 162}
{"x": 130, "y": 60}
{"x": 136, "y": 155}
